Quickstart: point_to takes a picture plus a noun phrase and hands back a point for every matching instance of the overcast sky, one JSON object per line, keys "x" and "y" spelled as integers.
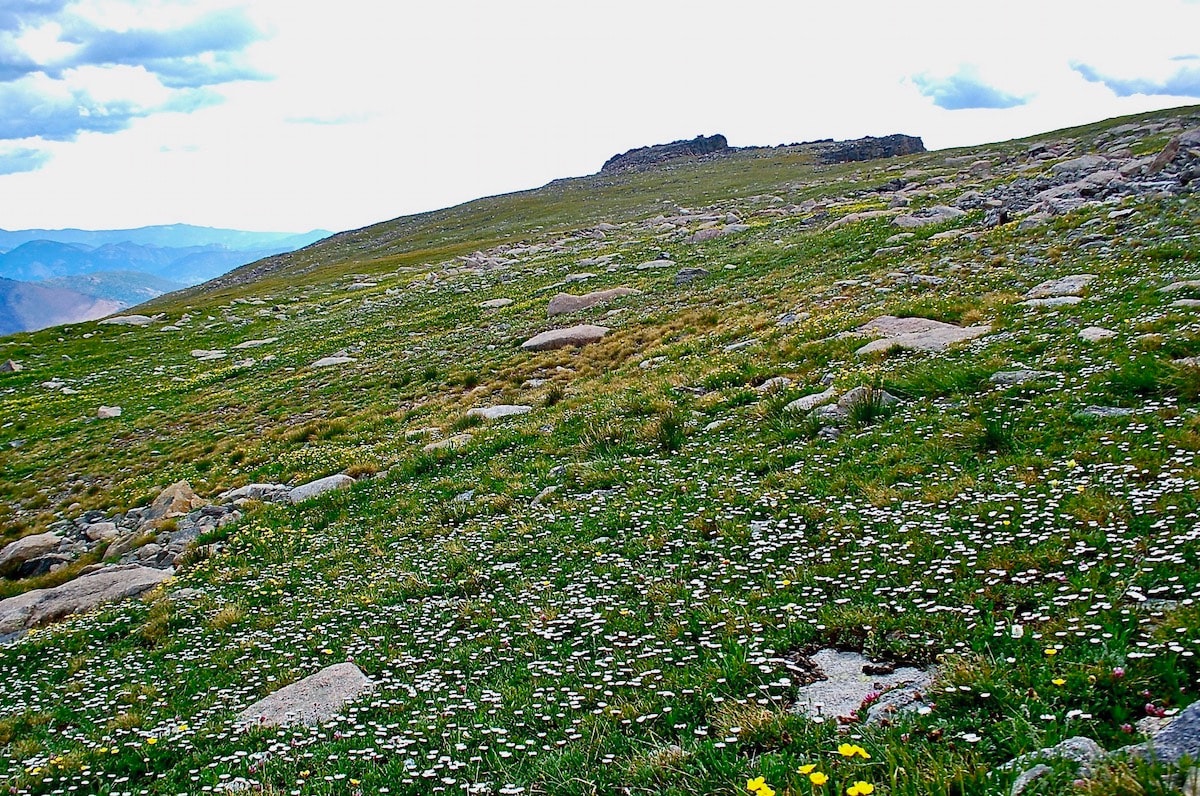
{"x": 296, "y": 114}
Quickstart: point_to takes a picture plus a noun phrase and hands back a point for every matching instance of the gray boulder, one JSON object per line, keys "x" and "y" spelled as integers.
{"x": 1180, "y": 738}
{"x": 916, "y": 334}
{"x": 561, "y": 338}
{"x": 15, "y": 555}
{"x": 320, "y": 487}
{"x": 564, "y": 303}
{"x": 497, "y": 412}
{"x": 311, "y": 701}
{"x": 809, "y": 402}
{"x": 687, "y": 275}
{"x": 1072, "y": 285}
{"x": 106, "y": 584}
{"x": 126, "y": 320}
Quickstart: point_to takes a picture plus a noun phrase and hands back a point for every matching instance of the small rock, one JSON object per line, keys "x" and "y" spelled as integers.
{"x": 544, "y": 495}
{"x": 1107, "y": 411}
{"x": 101, "y": 531}
{"x": 809, "y": 402}
{"x": 175, "y": 500}
{"x": 10, "y": 366}
{"x": 1094, "y": 334}
{"x": 311, "y": 701}
{"x": 652, "y": 264}
{"x": 688, "y": 275}
{"x": 256, "y": 343}
{"x": 450, "y": 443}
{"x": 1072, "y": 285}
{"x": 126, "y": 320}
{"x": 1009, "y": 378}
{"x": 1027, "y": 778}
{"x": 325, "y": 362}
{"x": 497, "y": 412}
{"x": 495, "y": 304}
{"x": 560, "y": 338}
{"x": 564, "y": 303}
{"x": 319, "y": 487}
{"x": 105, "y": 412}
{"x": 1055, "y": 301}
{"x": 205, "y": 355}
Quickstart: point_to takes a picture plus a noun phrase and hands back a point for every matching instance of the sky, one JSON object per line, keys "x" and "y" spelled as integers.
{"x": 290, "y": 115}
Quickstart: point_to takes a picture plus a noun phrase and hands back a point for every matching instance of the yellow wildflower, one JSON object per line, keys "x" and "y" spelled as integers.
{"x": 807, "y": 768}
{"x": 817, "y": 778}
{"x": 1059, "y": 681}
{"x": 860, "y": 788}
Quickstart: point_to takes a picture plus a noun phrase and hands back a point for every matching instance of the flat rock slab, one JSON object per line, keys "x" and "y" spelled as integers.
{"x": 1174, "y": 287}
{"x": 27, "y": 548}
{"x": 107, "y": 584}
{"x": 564, "y": 303}
{"x": 865, "y": 215}
{"x": 1094, "y": 334}
{"x": 916, "y": 334}
{"x": 326, "y": 362}
{"x": 311, "y": 701}
{"x": 1072, "y": 285}
{"x": 497, "y": 412}
{"x": 561, "y": 338}
{"x": 934, "y": 215}
{"x": 204, "y": 354}
{"x": 1052, "y": 301}
{"x": 256, "y": 343}
{"x": 106, "y": 412}
{"x": 1009, "y": 378}
{"x": 652, "y": 264}
{"x": 845, "y": 686}
{"x": 319, "y": 487}
{"x": 126, "y": 320}
{"x": 808, "y": 403}
{"x": 495, "y": 304}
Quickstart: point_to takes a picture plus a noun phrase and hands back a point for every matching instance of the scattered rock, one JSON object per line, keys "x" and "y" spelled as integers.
{"x": 1055, "y": 301}
{"x": 205, "y": 355}
{"x": 845, "y": 687}
{"x": 1072, "y": 285}
{"x": 1180, "y": 738}
{"x": 1009, "y": 378}
{"x": 311, "y": 701}
{"x": 566, "y": 303}
{"x": 325, "y": 362}
{"x": 1186, "y": 303}
{"x": 1107, "y": 411}
{"x": 580, "y": 277}
{"x": 101, "y": 531}
{"x": 256, "y": 343}
{"x": 105, "y": 412}
{"x": 10, "y": 367}
{"x": 544, "y": 495}
{"x": 932, "y": 215}
{"x": 687, "y": 275}
{"x": 173, "y": 501}
{"x": 774, "y": 384}
{"x": 126, "y": 320}
{"x": 560, "y": 338}
{"x": 497, "y": 412}
{"x": 916, "y": 334}
{"x": 1078, "y": 750}
{"x": 106, "y": 584}
{"x": 264, "y": 492}
{"x": 15, "y": 555}
{"x": 450, "y": 443}
{"x": 1094, "y": 334}
{"x": 1027, "y": 778}
{"x": 495, "y": 304}
{"x": 851, "y": 218}
{"x": 652, "y": 264}
{"x": 809, "y": 402}
{"x": 319, "y": 487}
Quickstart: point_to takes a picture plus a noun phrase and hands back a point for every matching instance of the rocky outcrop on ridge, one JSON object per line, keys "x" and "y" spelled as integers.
{"x": 647, "y": 156}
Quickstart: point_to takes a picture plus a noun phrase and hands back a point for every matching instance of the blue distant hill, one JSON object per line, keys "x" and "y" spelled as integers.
{"x": 122, "y": 267}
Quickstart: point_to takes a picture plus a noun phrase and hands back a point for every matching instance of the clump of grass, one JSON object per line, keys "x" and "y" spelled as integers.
{"x": 227, "y": 617}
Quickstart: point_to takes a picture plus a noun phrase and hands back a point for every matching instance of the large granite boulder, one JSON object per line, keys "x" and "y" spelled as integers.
{"x": 311, "y": 701}
{"x": 174, "y": 501}
{"x": 320, "y": 487}
{"x": 15, "y": 555}
{"x": 107, "y": 584}
{"x": 564, "y": 303}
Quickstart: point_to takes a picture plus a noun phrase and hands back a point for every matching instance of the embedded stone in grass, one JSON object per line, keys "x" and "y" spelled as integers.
{"x": 1072, "y": 285}
{"x": 1094, "y": 334}
{"x": 495, "y": 304}
{"x": 851, "y": 218}
{"x": 1180, "y": 738}
{"x": 653, "y": 264}
{"x": 319, "y": 487}
{"x": 106, "y": 584}
{"x": 933, "y": 215}
{"x": 1186, "y": 303}
{"x": 205, "y": 355}
{"x": 450, "y": 443}
{"x": 311, "y": 701}
{"x": 561, "y": 338}
{"x": 264, "y": 492}
{"x": 808, "y": 403}
{"x": 1174, "y": 287}
{"x": 844, "y": 687}
{"x": 256, "y": 343}
{"x": 16, "y": 554}
{"x": 916, "y": 334}
{"x": 1009, "y": 378}
{"x": 10, "y": 367}
{"x": 564, "y": 303}
{"x": 126, "y": 320}
{"x": 325, "y": 362}
{"x": 687, "y": 275}
{"x": 105, "y": 412}
{"x": 497, "y": 412}
{"x": 1053, "y": 301}
{"x": 579, "y": 277}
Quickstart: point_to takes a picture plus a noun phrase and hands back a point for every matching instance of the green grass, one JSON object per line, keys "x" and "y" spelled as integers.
{"x": 626, "y": 635}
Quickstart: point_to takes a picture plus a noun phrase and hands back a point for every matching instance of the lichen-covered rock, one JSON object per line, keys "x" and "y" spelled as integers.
{"x": 564, "y": 303}
{"x": 916, "y": 334}
{"x": 561, "y": 338}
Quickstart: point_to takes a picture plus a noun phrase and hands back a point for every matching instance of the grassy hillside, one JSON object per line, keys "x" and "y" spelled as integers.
{"x": 645, "y": 627}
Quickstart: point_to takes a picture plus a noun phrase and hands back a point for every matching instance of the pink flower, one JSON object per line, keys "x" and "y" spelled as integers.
{"x": 1118, "y": 672}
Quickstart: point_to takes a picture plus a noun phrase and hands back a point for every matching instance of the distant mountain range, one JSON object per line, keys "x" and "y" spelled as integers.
{"x": 48, "y": 277}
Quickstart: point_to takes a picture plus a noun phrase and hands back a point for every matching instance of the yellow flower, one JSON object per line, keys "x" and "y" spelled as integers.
{"x": 807, "y": 768}
{"x": 817, "y": 778}
{"x": 754, "y": 785}
{"x": 151, "y": 741}
{"x": 1051, "y": 651}
{"x": 1059, "y": 681}
{"x": 355, "y": 782}
{"x": 327, "y": 651}
{"x": 852, "y": 750}
{"x": 860, "y": 788}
